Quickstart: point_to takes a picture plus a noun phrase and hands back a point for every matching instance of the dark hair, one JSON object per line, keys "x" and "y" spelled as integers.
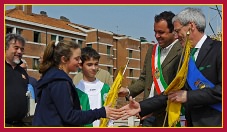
{"x": 53, "y": 53}
{"x": 87, "y": 53}
{"x": 15, "y": 37}
{"x": 167, "y": 16}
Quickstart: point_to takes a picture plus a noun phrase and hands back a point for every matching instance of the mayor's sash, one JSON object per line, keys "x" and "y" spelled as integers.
{"x": 158, "y": 79}
{"x": 196, "y": 80}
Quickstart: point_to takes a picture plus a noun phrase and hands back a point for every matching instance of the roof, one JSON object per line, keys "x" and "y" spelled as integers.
{"x": 45, "y": 20}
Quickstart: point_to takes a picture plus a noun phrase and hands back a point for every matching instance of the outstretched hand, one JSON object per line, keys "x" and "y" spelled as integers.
{"x": 112, "y": 113}
{"x": 131, "y": 109}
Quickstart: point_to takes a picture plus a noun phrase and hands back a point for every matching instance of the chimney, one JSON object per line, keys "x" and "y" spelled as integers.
{"x": 64, "y": 18}
{"x": 143, "y": 39}
{"x": 19, "y": 7}
{"x": 43, "y": 13}
{"x": 28, "y": 9}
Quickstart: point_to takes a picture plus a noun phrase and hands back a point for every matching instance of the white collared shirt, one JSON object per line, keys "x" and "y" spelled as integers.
{"x": 165, "y": 51}
{"x": 199, "y": 45}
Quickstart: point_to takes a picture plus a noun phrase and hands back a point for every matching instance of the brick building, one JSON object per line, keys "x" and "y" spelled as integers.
{"x": 39, "y": 30}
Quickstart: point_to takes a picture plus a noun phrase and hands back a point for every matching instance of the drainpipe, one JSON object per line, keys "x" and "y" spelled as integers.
{"x": 117, "y": 54}
{"x": 97, "y": 38}
{"x": 46, "y": 36}
{"x": 140, "y": 57}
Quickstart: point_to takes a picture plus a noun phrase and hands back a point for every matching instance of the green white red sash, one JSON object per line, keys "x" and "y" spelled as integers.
{"x": 158, "y": 79}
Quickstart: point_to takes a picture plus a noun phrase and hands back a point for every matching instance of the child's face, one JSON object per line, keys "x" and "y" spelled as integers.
{"x": 73, "y": 63}
{"x": 90, "y": 68}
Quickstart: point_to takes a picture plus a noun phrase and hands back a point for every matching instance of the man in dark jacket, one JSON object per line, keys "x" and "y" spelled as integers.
{"x": 16, "y": 81}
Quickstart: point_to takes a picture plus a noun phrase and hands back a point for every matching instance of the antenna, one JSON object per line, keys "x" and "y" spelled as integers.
{"x": 117, "y": 29}
{"x": 219, "y": 11}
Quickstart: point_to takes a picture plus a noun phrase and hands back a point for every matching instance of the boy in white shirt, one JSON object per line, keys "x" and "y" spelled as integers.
{"x": 92, "y": 92}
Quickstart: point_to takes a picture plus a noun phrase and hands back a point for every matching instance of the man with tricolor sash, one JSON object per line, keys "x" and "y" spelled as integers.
{"x": 160, "y": 66}
{"x": 201, "y": 95}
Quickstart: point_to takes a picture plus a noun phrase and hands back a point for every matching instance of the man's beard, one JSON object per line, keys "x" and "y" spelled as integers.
{"x": 16, "y": 61}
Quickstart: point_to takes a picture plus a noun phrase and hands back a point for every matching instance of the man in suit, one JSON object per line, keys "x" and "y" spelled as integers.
{"x": 208, "y": 59}
{"x": 170, "y": 51}
{"x": 198, "y": 103}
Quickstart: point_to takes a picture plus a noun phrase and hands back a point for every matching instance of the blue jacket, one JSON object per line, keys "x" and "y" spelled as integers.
{"x": 58, "y": 103}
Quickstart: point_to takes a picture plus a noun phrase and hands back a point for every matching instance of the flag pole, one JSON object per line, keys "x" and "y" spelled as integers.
{"x": 125, "y": 67}
{"x": 113, "y": 93}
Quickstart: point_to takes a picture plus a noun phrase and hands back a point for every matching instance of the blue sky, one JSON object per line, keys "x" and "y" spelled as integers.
{"x": 131, "y": 20}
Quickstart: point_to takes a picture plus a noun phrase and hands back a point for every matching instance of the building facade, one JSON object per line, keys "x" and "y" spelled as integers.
{"x": 39, "y": 30}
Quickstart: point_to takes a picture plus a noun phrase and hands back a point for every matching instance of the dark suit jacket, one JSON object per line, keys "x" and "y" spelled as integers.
{"x": 198, "y": 111}
{"x": 169, "y": 69}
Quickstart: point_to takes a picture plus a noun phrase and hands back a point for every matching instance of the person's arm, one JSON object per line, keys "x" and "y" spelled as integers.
{"x": 61, "y": 96}
{"x": 62, "y": 99}
{"x": 154, "y": 104}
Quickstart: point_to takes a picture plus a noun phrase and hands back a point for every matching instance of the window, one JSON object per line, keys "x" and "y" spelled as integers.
{"x": 9, "y": 30}
{"x": 53, "y": 37}
{"x": 114, "y": 71}
{"x": 108, "y": 50}
{"x": 109, "y": 69}
{"x": 89, "y": 45}
{"x": 37, "y": 37}
{"x": 130, "y": 53}
{"x": 80, "y": 42}
{"x": 35, "y": 63}
{"x": 114, "y": 53}
{"x": 13, "y": 30}
{"x": 61, "y": 38}
{"x": 131, "y": 72}
{"x": 19, "y": 31}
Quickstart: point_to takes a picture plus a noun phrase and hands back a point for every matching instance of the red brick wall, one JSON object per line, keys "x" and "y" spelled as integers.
{"x": 121, "y": 53}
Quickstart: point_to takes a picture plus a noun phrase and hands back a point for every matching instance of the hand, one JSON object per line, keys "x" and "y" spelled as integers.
{"x": 130, "y": 109}
{"x": 123, "y": 92}
{"x": 112, "y": 113}
{"x": 178, "y": 96}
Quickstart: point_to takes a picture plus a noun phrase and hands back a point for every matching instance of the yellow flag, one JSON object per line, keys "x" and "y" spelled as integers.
{"x": 174, "y": 109}
{"x": 112, "y": 95}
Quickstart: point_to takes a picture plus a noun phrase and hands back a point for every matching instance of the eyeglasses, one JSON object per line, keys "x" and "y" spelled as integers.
{"x": 178, "y": 30}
